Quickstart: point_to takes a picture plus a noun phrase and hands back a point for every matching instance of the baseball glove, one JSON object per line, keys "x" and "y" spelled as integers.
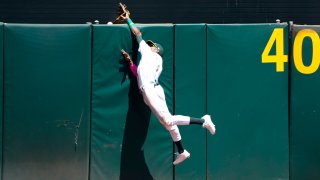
{"x": 123, "y": 14}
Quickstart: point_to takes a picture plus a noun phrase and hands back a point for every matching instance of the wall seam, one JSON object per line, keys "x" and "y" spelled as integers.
{"x": 90, "y": 132}
{"x": 3, "y": 99}
{"x": 174, "y": 92}
{"x": 206, "y": 102}
{"x": 290, "y": 24}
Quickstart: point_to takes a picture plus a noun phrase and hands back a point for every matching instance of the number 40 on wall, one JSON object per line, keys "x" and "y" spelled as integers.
{"x": 277, "y": 39}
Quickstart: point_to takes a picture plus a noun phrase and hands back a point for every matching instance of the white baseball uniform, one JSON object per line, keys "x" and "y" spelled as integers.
{"x": 149, "y": 70}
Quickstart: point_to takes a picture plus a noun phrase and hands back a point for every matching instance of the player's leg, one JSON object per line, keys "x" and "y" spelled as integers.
{"x": 154, "y": 97}
{"x": 182, "y": 154}
{"x": 160, "y": 110}
{"x": 176, "y": 137}
{"x": 164, "y": 113}
{"x": 205, "y": 121}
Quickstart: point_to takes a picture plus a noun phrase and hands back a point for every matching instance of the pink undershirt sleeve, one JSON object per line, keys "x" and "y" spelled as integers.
{"x": 133, "y": 68}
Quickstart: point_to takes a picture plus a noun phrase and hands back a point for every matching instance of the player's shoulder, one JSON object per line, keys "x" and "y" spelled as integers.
{"x": 144, "y": 46}
{"x": 143, "y": 42}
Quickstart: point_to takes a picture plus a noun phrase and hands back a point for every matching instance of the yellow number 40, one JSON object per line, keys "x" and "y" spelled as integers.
{"x": 297, "y": 51}
{"x": 279, "y": 58}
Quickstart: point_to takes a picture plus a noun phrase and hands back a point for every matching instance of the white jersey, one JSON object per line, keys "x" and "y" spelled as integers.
{"x": 150, "y": 66}
{"x": 149, "y": 70}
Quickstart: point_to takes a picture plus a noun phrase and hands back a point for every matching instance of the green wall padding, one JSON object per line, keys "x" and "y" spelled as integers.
{"x": 305, "y": 104}
{"x": 249, "y": 103}
{"x": 1, "y": 93}
{"x": 190, "y": 96}
{"x": 47, "y": 102}
{"x": 158, "y": 146}
{"x": 128, "y": 142}
{"x": 214, "y": 69}
{"x": 110, "y": 100}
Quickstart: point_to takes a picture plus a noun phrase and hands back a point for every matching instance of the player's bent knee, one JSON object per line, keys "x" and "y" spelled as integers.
{"x": 166, "y": 122}
{"x": 170, "y": 127}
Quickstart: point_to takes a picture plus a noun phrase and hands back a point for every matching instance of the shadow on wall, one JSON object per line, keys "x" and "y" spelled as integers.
{"x": 133, "y": 164}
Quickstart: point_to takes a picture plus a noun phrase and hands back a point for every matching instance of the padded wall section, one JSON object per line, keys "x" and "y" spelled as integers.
{"x": 305, "y": 104}
{"x": 110, "y": 100}
{"x": 190, "y": 95}
{"x": 158, "y": 146}
{"x": 1, "y": 92}
{"x": 47, "y": 101}
{"x": 127, "y": 141}
{"x": 249, "y": 104}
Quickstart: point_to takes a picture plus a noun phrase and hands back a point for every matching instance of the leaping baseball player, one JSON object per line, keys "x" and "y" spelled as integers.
{"x": 147, "y": 73}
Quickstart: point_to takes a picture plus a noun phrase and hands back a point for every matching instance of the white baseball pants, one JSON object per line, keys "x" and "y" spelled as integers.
{"x": 154, "y": 97}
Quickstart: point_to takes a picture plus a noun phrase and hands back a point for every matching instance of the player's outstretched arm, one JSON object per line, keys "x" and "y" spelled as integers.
{"x": 134, "y": 28}
{"x": 124, "y": 15}
{"x": 127, "y": 57}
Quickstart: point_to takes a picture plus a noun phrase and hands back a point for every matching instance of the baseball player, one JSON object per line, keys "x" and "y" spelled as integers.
{"x": 147, "y": 73}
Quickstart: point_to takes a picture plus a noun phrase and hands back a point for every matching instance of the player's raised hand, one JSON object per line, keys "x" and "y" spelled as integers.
{"x": 126, "y": 56}
{"x": 123, "y": 14}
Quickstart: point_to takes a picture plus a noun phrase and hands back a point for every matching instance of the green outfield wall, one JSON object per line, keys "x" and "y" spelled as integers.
{"x": 127, "y": 140}
{"x": 46, "y": 101}
{"x": 1, "y": 92}
{"x": 71, "y": 108}
{"x": 249, "y": 102}
{"x": 305, "y": 103}
{"x": 190, "y": 95}
{"x": 110, "y": 102}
